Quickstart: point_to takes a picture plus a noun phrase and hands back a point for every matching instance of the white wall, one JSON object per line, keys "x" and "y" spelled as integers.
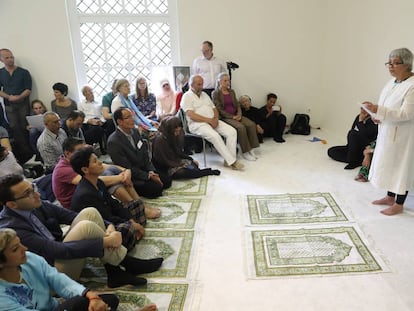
{"x": 318, "y": 54}
{"x": 275, "y": 42}
{"x": 37, "y": 32}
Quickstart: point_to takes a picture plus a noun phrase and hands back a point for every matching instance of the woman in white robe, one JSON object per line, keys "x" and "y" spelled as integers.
{"x": 392, "y": 165}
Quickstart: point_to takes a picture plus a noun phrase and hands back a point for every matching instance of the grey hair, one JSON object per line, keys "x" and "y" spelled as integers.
{"x": 6, "y": 236}
{"x": 191, "y": 80}
{"x": 245, "y": 97}
{"x": 220, "y": 76}
{"x": 405, "y": 55}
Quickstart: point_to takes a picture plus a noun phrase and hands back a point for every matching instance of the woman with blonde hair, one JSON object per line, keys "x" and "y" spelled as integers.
{"x": 225, "y": 100}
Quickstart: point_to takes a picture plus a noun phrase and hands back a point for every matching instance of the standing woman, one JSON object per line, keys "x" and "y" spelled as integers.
{"x": 392, "y": 166}
{"x": 62, "y": 104}
{"x": 144, "y": 100}
{"x": 225, "y": 100}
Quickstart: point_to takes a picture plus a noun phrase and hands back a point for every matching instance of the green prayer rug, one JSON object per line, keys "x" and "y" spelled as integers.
{"x": 176, "y": 213}
{"x": 299, "y": 208}
{"x": 315, "y": 251}
{"x": 174, "y": 246}
{"x": 169, "y": 297}
{"x": 187, "y": 187}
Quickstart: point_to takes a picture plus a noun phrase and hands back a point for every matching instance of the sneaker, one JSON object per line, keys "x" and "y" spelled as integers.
{"x": 237, "y": 166}
{"x": 248, "y": 156}
{"x": 253, "y": 154}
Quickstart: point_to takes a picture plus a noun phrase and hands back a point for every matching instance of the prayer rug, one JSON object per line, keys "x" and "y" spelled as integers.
{"x": 315, "y": 251}
{"x": 173, "y": 246}
{"x": 187, "y": 187}
{"x": 176, "y": 213}
{"x": 166, "y": 296}
{"x": 298, "y": 208}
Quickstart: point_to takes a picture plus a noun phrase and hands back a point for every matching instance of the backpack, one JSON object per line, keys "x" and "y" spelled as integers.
{"x": 300, "y": 124}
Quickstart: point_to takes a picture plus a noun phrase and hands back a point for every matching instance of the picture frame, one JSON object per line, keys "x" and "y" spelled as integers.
{"x": 181, "y": 77}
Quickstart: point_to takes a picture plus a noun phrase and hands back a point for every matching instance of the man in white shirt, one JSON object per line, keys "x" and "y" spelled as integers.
{"x": 203, "y": 120}
{"x": 208, "y": 67}
{"x": 94, "y": 125}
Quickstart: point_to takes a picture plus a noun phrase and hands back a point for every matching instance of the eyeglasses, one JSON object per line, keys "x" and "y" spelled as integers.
{"x": 393, "y": 64}
{"x": 28, "y": 194}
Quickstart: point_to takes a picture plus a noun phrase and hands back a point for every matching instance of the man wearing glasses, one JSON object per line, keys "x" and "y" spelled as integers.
{"x": 208, "y": 66}
{"x": 37, "y": 223}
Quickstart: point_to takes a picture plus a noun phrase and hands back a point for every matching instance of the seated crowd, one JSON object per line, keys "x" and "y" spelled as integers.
{"x": 103, "y": 203}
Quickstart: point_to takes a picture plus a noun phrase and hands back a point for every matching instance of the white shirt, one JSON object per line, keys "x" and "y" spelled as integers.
{"x": 200, "y": 105}
{"x": 209, "y": 69}
{"x": 91, "y": 110}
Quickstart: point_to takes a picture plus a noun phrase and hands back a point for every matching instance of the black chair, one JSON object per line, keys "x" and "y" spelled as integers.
{"x": 181, "y": 115}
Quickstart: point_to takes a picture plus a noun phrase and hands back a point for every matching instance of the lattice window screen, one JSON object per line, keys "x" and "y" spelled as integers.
{"x": 122, "y": 48}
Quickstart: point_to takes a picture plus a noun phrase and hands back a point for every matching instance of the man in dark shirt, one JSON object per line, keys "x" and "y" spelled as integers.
{"x": 38, "y": 225}
{"x": 15, "y": 88}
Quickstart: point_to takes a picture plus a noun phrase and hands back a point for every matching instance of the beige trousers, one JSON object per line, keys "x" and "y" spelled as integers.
{"x": 88, "y": 225}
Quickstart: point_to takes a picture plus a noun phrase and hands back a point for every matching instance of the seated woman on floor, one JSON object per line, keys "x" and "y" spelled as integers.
{"x": 62, "y": 104}
{"x": 168, "y": 155}
{"x": 27, "y": 281}
{"x": 226, "y": 102}
{"x": 251, "y": 113}
{"x": 362, "y": 133}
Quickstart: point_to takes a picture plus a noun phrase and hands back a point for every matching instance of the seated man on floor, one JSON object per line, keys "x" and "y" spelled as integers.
{"x": 50, "y": 141}
{"x": 127, "y": 149}
{"x": 91, "y": 191}
{"x": 38, "y": 224}
{"x": 116, "y": 179}
{"x": 203, "y": 120}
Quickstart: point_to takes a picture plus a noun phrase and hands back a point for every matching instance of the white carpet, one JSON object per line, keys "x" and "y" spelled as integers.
{"x": 297, "y": 166}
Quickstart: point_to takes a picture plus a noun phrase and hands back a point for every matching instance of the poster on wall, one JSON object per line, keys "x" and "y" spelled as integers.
{"x": 181, "y": 76}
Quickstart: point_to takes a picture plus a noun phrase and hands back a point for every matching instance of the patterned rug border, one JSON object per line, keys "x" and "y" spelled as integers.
{"x": 188, "y": 184}
{"x": 172, "y": 202}
{"x": 254, "y": 215}
{"x": 261, "y": 270}
{"x": 184, "y": 254}
{"x": 137, "y": 295}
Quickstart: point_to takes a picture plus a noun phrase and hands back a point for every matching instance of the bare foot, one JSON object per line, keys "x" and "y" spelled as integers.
{"x": 152, "y": 212}
{"x": 393, "y": 210}
{"x": 384, "y": 201}
{"x": 151, "y": 307}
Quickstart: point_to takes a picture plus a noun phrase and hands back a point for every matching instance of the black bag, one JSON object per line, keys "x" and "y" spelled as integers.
{"x": 300, "y": 124}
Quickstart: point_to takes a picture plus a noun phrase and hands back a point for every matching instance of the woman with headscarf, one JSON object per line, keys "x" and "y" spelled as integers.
{"x": 165, "y": 100}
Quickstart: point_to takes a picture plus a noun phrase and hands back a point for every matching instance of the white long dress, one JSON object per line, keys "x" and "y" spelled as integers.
{"x": 392, "y": 166}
